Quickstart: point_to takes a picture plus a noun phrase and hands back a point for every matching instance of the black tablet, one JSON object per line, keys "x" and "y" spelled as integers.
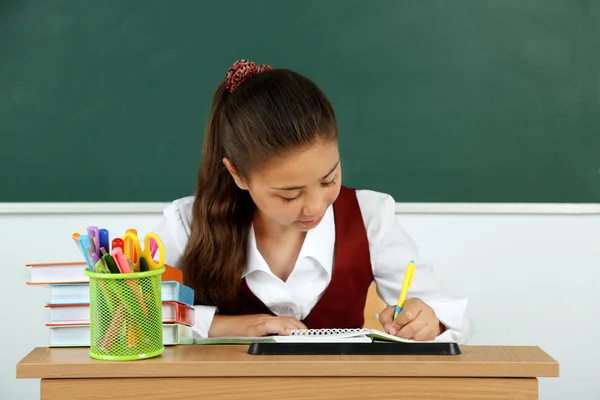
{"x": 375, "y": 348}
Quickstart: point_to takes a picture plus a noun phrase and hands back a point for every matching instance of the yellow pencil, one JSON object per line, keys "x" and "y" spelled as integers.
{"x": 408, "y": 278}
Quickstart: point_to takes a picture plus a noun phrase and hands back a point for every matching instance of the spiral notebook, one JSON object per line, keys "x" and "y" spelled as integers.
{"x": 313, "y": 336}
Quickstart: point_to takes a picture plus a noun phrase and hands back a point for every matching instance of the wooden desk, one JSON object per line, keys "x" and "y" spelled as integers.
{"x": 227, "y": 372}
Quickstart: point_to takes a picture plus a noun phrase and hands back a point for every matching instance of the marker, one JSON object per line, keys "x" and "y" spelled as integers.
{"x": 121, "y": 261}
{"x": 94, "y": 236}
{"x": 408, "y": 278}
{"x": 143, "y": 265}
{"x": 117, "y": 242}
{"x": 75, "y": 237}
{"x": 104, "y": 240}
{"x": 87, "y": 250}
{"x": 100, "y": 266}
{"x": 112, "y": 266}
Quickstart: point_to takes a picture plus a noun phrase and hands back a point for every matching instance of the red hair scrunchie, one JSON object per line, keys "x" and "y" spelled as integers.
{"x": 240, "y": 71}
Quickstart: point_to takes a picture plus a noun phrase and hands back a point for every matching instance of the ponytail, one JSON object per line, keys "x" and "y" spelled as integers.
{"x": 215, "y": 255}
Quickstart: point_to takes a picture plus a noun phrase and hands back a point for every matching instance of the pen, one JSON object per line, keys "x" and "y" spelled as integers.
{"x": 408, "y": 278}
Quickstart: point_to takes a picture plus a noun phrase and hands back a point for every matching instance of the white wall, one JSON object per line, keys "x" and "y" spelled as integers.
{"x": 531, "y": 273}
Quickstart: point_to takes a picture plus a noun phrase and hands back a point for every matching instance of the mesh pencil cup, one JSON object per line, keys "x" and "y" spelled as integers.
{"x": 125, "y": 315}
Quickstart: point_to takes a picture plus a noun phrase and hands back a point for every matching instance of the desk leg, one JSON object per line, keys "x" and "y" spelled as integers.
{"x": 290, "y": 388}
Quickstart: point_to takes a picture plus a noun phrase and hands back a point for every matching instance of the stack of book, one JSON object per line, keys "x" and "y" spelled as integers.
{"x": 69, "y": 304}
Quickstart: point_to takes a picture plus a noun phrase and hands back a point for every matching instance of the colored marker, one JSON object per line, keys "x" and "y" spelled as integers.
{"x": 75, "y": 237}
{"x": 117, "y": 242}
{"x": 94, "y": 236}
{"x": 143, "y": 265}
{"x": 104, "y": 239}
{"x": 86, "y": 249}
{"x": 112, "y": 266}
{"x": 121, "y": 261}
{"x": 100, "y": 266}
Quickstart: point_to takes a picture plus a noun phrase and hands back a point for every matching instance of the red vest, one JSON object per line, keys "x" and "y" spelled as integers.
{"x": 343, "y": 301}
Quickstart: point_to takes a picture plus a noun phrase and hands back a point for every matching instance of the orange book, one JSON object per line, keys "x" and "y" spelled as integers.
{"x": 172, "y": 274}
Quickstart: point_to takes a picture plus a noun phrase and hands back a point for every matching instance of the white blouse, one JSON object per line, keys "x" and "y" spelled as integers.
{"x": 390, "y": 248}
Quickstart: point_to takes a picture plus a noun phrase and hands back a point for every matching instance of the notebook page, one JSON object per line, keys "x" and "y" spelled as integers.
{"x": 328, "y": 332}
{"x": 372, "y": 334}
{"x": 327, "y": 336}
{"x": 331, "y": 338}
{"x": 382, "y": 336}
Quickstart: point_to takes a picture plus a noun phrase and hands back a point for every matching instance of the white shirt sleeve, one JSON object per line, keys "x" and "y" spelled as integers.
{"x": 391, "y": 250}
{"x": 174, "y": 231}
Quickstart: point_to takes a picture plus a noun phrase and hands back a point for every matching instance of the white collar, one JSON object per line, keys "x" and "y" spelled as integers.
{"x": 319, "y": 244}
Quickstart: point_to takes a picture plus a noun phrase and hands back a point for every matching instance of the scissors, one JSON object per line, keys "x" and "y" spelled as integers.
{"x": 146, "y": 254}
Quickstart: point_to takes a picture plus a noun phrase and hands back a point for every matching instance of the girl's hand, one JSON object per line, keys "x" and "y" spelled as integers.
{"x": 263, "y": 325}
{"x": 253, "y": 325}
{"x": 416, "y": 321}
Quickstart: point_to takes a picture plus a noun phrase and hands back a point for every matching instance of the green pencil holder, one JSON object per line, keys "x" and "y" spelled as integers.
{"x": 125, "y": 315}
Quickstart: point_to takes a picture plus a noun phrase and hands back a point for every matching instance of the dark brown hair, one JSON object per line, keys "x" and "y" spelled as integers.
{"x": 272, "y": 113}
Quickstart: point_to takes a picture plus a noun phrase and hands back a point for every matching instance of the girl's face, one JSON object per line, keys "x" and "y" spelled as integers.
{"x": 296, "y": 189}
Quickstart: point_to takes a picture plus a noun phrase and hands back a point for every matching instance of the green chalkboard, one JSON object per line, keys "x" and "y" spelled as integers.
{"x": 438, "y": 101}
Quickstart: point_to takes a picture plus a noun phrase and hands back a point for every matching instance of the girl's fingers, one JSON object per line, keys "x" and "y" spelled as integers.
{"x": 429, "y": 331}
{"x": 279, "y": 326}
{"x": 407, "y": 316}
{"x": 385, "y": 318}
{"x": 409, "y": 330}
{"x": 299, "y": 325}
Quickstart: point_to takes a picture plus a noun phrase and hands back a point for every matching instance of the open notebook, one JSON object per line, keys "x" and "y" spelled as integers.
{"x": 313, "y": 336}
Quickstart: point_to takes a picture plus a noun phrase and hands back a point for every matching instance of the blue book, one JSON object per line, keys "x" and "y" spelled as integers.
{"x": 79, "y": 293}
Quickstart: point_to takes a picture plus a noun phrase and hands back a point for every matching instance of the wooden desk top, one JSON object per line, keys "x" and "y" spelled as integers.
{"x": 233, "y": 360}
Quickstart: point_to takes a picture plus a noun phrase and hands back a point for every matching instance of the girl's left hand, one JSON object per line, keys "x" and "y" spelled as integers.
{"x": 416, "y": 321}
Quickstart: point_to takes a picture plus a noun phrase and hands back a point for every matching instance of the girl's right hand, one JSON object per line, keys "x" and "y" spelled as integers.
{"x": 253, "y": 325}
{"x": 263, "y": 325}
